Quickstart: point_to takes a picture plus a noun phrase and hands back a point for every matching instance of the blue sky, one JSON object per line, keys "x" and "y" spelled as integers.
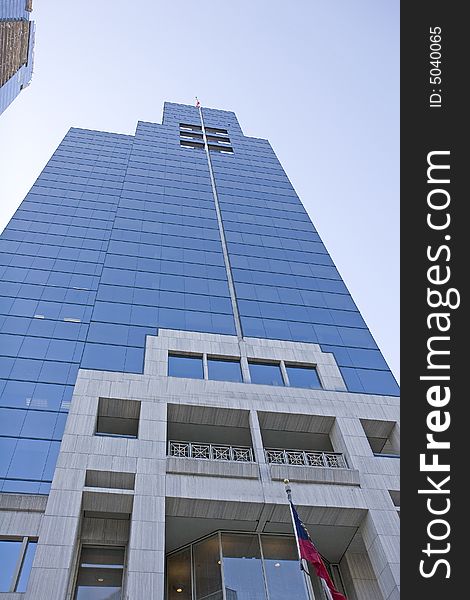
{"x": 318, "y": 78}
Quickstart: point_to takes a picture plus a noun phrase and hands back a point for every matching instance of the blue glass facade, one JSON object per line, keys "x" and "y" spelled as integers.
{"x": 119, "y": 236}
{"x": 14, "y": 77}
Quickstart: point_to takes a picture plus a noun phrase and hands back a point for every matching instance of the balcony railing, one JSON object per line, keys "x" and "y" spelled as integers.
{"x": 331, "y": 460}
{"x": 210, "y": 451}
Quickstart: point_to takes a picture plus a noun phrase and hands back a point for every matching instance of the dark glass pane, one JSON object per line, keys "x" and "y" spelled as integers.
{"x": 304, "y": 377}
{"x": 179, "y": 576}
{"x": 243, "y": 571}
{"x": 100, "y": 573}
{"x": 207, "y": 575}
{"x": 26, "y": 567}
{"x": 185, "y": 366}
{"x": 224, "y": 370}
{"x": 267, "y": 373}
{"x": 9, "y": 553}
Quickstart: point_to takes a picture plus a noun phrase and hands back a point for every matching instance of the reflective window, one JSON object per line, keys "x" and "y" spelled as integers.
{"x": 223, "y": 369}
{"x": 281, "y": 565}
{"x": 7, "y": 448}
{"x": 29, "y": 459}
{"x": 100, "y": 573}
{"x": 9, "y": 555}
{"x": 16, "y": 559}
{"x": 185, "y": 366}
{"x": 26, "y": 567}
{"x": 303, "y": 377}
{"x": 252, "y": 567}
{"x": 243, "y": 571}
{"x": 267, "y": 373}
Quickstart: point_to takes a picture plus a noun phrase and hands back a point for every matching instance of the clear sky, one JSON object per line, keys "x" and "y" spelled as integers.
{"x": 318, "y": 78}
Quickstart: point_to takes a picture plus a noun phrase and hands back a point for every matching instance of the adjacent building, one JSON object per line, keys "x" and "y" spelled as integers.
{"x": 176, "y": 342}
{"x": 16, "y": 49}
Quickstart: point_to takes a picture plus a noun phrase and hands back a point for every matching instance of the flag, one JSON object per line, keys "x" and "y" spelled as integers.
{"x": 198, "y": 104}
{"x": 310, "y": 553}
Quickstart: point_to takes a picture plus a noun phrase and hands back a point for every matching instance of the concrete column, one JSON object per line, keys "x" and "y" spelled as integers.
{"x": 381, "y": 533}
{"x": 258, "y": 447}
{"x": 347, "y": 436}
{"x": 58, "y": 534}
{"x": 146, "y": 548}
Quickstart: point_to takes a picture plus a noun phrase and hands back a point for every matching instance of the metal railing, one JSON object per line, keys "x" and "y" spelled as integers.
{"x": 330, "y": 460}
{"x": 210, "y": 451}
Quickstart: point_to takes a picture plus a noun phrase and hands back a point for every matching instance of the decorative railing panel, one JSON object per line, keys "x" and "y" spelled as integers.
{"x": 330, "y": 460}
{"x": 210, "y": 451}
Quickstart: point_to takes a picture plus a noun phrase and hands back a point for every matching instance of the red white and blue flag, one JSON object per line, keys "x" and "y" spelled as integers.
{"x": 198, "y": 104}
{"x": 308, "y": 552}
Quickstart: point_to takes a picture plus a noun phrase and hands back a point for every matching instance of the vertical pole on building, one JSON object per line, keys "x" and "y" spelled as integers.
{"x": 302, "y": 562}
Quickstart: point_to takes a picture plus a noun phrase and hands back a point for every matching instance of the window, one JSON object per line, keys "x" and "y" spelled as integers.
{"x": 216, "y": 130}
{"x": 207, "y": 570}
{"x": 179, "y": 576}
{"x": 191, "y": 144}
{"x": 16, "y": 559}
{"x": 118, "y": 418}
{"x": 266, "y": 373}
{"x": 100, "y": 573}
{"x": 250, "y": 565}
{"x": 188, "y": 127}
{"x": 224, "y": 369}
{"x": 281, "y": 566}
{"x": 223, "y": 149}
{"x": 303, "y": 376}
{"x": 180, "y": 365}
{"x": 243, "y": 569}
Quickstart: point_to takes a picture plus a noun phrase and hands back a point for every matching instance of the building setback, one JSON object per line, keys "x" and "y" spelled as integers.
{"x": 176, "y": 342}
{"x": 16, "y": 49}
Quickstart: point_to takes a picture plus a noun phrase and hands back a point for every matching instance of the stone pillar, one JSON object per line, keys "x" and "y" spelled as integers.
{"x": 258, "y": 447}
{"x": 146, "y": 548}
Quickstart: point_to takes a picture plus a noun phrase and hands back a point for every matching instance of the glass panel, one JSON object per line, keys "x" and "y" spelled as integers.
{"x": 185, "y": 366}
{"x": 243, "y": 572}
{"x": 267, "y": 373}
{"x": 100, "y": 573}
{"x": 9, "y": 552}
{"x": 26, "y": 567}
{"x": 281, "y": 563}
{"x": 224, "y": 370}
{"x": 304, "y": 377}
{"x": 207, "y": 576}
{"x": 179, "y": 576}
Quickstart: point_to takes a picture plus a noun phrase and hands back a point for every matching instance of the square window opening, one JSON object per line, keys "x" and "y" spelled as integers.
{"x": 118, "y": 418}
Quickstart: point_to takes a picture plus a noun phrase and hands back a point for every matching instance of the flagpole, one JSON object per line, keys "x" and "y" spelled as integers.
{"x": 308, "y": 581}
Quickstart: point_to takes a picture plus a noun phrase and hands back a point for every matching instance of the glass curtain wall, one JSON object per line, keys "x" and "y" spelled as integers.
{"x": 246, "y": 566}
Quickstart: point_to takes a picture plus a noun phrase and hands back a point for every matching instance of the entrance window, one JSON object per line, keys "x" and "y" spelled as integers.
{"x": 252, "y": 566}
{"x": 179, "y": 575}
{"x": 100, "y": 573}
{"x": 243, "y": 570}
{"x": 207, "y": 575}
{"x": 282, "y": 569}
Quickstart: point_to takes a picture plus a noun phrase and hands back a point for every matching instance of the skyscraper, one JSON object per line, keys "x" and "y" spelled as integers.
{"x": 167, "y": 300}
{"x": 16, "y": 49}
